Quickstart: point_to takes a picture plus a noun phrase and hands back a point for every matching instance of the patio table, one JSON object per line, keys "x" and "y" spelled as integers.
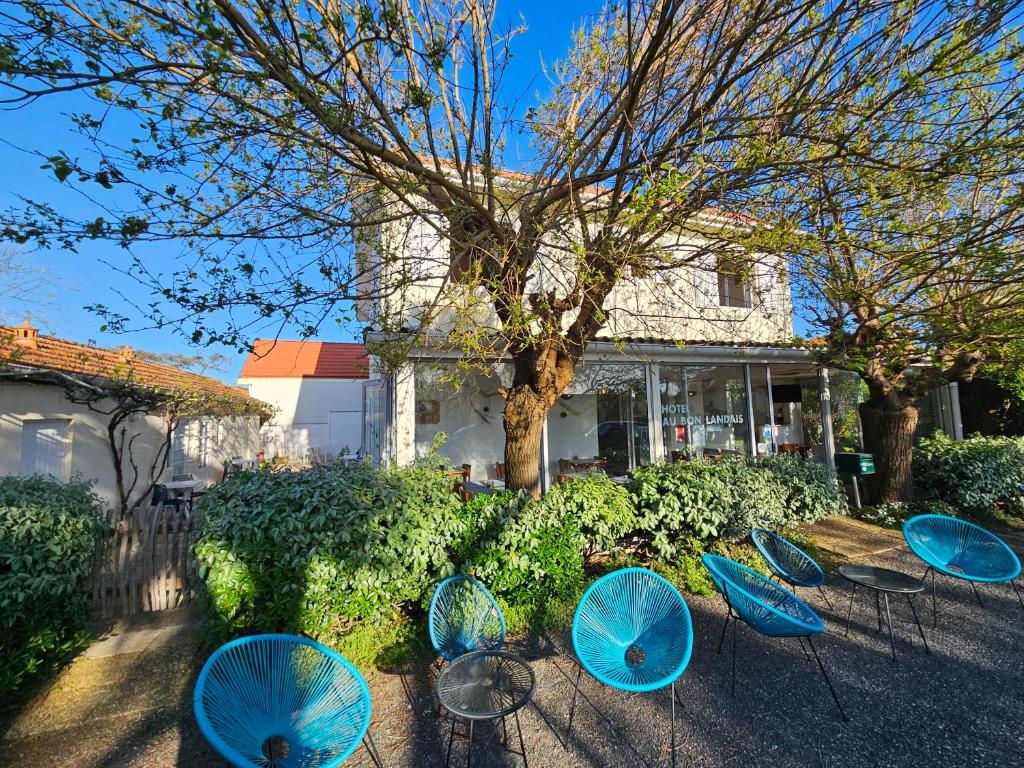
{"x": 884, "y": 581}
{"x": 486, "y": 686}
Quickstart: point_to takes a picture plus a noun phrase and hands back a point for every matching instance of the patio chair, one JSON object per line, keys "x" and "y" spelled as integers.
{"x": 962, "y": 550}
{"x": 766, "y": 608}
{"x": 789, "y": 562}
{"x": 464, "y": 617}
{"x": 632, "y": 631}
{"x": 281, "y": 701}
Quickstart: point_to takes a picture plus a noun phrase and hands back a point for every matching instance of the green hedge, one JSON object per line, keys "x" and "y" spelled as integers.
{"x": 975, "y": 475}
{"x": 47, "y": 541}
{"x": 708, "y": 500}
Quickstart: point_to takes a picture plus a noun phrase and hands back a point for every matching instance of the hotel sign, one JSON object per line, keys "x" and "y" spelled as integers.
{"x": 676, "y": 415}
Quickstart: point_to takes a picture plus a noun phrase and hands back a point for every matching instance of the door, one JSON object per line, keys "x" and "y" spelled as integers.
{"x": 373, "y": 418}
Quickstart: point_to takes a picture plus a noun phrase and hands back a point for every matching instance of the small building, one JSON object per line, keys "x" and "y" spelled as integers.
{"x": 115, "y": 417}
{"x": 316, "y": 388}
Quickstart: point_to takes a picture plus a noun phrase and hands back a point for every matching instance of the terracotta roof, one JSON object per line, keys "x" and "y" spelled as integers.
{"x": 306, "y": 360}
{"x": 24, "y": 346}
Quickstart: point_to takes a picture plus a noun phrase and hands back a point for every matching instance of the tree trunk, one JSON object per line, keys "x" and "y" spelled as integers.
{"x": 525, "y": 412}
{"x": 889, "y": 437}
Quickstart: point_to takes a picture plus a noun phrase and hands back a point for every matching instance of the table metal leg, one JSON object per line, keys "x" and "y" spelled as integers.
{"x": 673, "y": 694}
{"x": 522, "y": 744}
{"x": 917, "y": 621}
{"x": 469, "y": 748}
{"x": 888, "y": 619}
{"x": 878, "y": 610}
{"x": 849, "y": 613}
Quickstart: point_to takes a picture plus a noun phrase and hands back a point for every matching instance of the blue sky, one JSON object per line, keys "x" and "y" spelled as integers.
{"x": 91, "y": 275}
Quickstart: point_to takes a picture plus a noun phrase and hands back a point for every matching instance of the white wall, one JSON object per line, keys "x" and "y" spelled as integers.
{"x": 311, "y": 413}
{"x": 88, "y": 450}
{"x": 574, "y": 434}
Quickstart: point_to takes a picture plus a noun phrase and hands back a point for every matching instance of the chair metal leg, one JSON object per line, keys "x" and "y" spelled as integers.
{"x": 721, "y": 640}
{"x": 804, "y": 649}
{"x": 827, "y": 601}
{"x": 849, "y": 613}
{"x": 673, "y": 693}
{"x": 935, "y": 614}
{"x": 821, "y": 666}
{"x": 888, "y": 619}
{"x": 572, "y": 708}
{"x": 917, "y": 621}
{"x": 734, "y": 623}
{"x": 977, "y": 594}
{"x": 1017, "y": 592}
{"x": 372, "y": 749}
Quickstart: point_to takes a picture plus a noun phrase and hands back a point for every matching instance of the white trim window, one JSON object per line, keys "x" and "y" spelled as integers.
{"x": 733, "y": 288}
{"x": 179, "y": 446}
{"x": 208, "y": 434}
{"x": 45, "y": 445}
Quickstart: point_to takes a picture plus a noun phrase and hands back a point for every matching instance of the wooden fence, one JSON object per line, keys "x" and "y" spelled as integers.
{"x": 144, "y": 562}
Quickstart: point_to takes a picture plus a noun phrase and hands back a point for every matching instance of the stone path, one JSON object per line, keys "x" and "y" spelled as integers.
{"x": 853, "y": 540}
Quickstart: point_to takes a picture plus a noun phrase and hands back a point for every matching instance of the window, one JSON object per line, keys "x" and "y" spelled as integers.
{"x": 703, "y": 411}
{"x": 179, "y": 441}
{"x": 44, "y": 448}
{"x": 733, "y": 291}
{"x": 207, "y": 439}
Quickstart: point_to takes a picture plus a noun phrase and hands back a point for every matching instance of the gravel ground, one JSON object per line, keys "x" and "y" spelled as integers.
{"x": 961, "y": 705}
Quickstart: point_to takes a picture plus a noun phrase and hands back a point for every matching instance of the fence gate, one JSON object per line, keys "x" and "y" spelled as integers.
{"x": 144, "y": 561}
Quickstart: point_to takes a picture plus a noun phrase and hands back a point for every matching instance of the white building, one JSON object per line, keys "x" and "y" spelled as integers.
{"x": 698, "y": 360}
{"x": 44, "y": 431}
{"x": 316, "y": 388}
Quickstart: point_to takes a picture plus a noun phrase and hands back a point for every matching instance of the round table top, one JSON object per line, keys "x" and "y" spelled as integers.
{"x": 485, "y": 685}
{"x": 882, "y": 579}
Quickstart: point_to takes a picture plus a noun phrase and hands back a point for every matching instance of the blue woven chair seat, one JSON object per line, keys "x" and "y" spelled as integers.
{"x": 961, "y": 549}
{"x": 787, "y": 560}
{"x": 280, "y": 701}
{"x": 464, "y": 617}
{"x": 762, "y": 604}
{"x": 632, "y": 631}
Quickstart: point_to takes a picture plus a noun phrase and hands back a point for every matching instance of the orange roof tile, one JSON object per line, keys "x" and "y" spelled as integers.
{"x": 121, "y": 365}
{"x": 306, "y": 360}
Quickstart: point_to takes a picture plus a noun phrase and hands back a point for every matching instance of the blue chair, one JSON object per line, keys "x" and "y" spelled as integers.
{"x": 464, "y": 617}
{"x": 962, "y": 550}
{"x": 789, "y": 562}
{"x": 281, "y": 701}
{"x": 766, "y": 608}
{"x": 632, "y": 631}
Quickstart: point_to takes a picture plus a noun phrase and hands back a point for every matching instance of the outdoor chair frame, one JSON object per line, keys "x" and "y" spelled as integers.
{"x": 961, "y": 550}
{"x": 775, "y": 612}
{"x": 790, "y": 563}
{"x": 632, "y": 631}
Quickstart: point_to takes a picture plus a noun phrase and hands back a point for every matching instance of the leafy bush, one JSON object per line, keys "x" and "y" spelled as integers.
{"x": 712, "y": 499}
{"x": 895, "y": 514}
{"x": 528, "y": 553}
{"x": 603, "y": 510}
{"x": 325, "y": 549}
{"x": 47, "y": 538}
{"x": 974, "y": 475}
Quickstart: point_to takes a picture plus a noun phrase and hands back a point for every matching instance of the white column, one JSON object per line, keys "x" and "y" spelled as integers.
{"x": 827, "y": 437}
{"x": 654, "y": 413}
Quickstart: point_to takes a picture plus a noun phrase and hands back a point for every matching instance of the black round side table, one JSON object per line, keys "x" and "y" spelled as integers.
{"x": 485, "y": 685}
{"x": 884, "y": 582}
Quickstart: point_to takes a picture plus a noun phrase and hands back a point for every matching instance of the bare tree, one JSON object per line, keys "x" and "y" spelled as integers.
{"x": 281, "y": 139}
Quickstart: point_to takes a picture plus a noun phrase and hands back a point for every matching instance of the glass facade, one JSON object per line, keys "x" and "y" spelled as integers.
{"x": 601, "y": 422}
{"x": 703, "y": 410}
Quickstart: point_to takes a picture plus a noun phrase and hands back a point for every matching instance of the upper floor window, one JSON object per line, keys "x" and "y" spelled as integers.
{"x": 44, "y": 448}
{"x": 733, "y": 290}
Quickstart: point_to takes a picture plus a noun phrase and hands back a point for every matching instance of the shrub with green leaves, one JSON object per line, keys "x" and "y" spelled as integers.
{"x": 325, "y": 549}
{"x": 47, "y": 541}
{"x": 726, "y": 498}
{"x": 603, "y": 510}
{"x": 975, "y": 475}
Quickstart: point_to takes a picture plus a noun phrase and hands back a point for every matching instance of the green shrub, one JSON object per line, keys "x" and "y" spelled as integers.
{"x": 603, "y": 510}
{"x": 895, "y": 514}
{"x": 47, "y": 539}
{"x": 974, "y": 475}
{"x": 528, "y": 554}
{"x": 713, "y": 499}
{"x": 326, "y": 549}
